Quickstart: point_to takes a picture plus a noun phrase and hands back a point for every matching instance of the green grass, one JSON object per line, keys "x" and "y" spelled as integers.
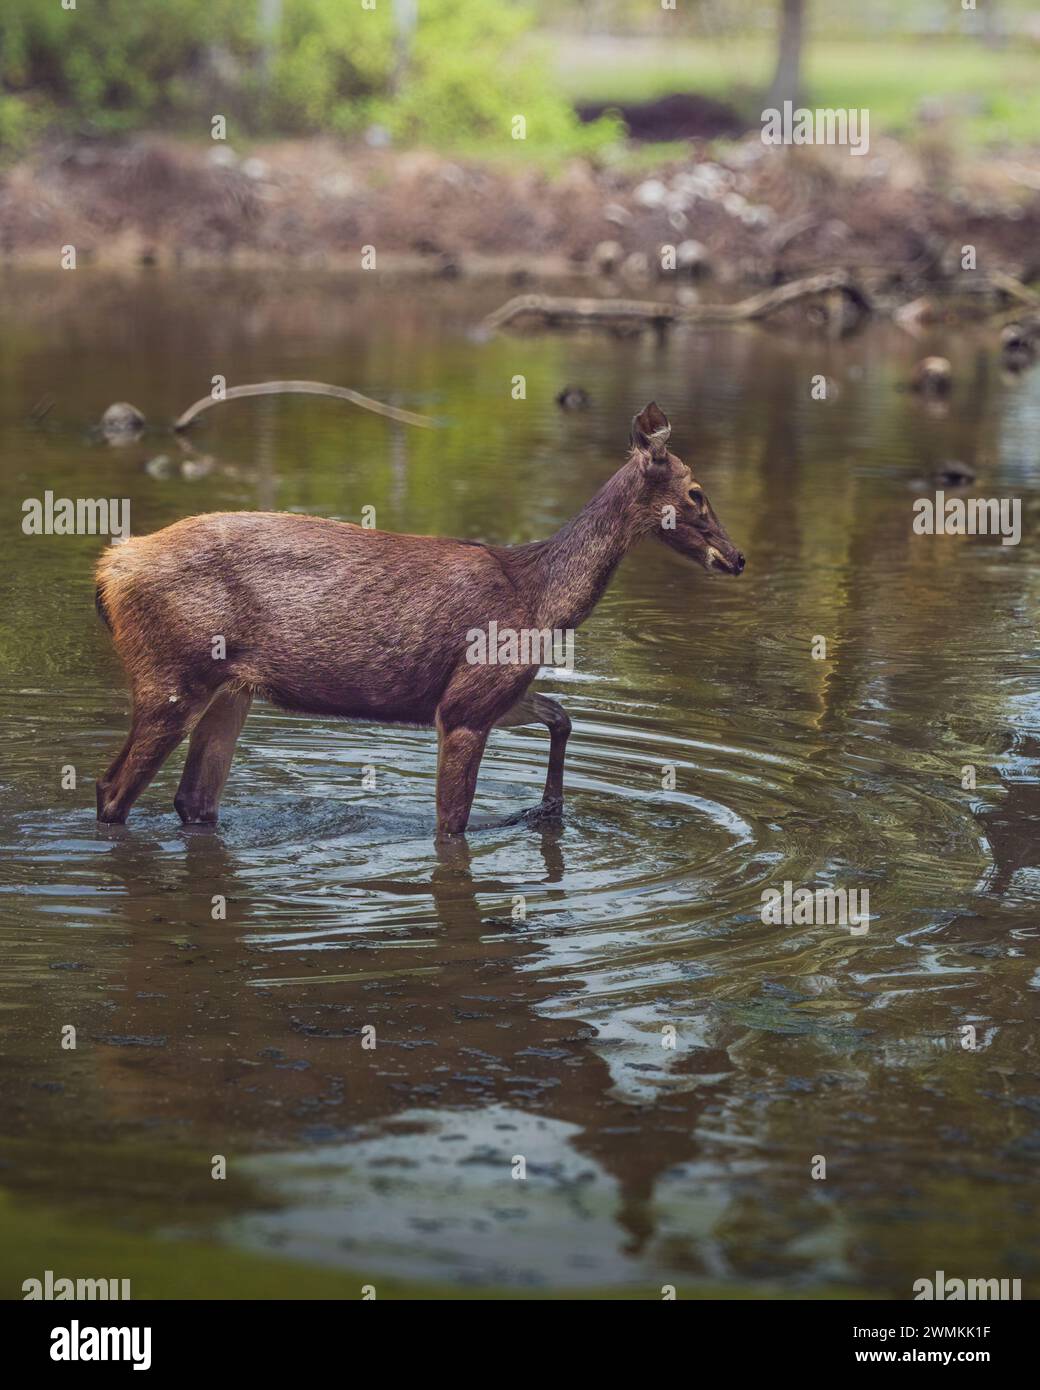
{"x": 888, "y": 77}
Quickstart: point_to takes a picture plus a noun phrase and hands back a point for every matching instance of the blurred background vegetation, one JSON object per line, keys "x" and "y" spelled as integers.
{"x": 438, "y": 72}
{"x": 453, "y": 73}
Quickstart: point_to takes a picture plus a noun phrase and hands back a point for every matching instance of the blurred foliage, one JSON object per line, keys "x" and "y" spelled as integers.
{"x": 18, "y": 123}
{"x": 111, "y": 63}
{"x": 463, "y": 74}
{"x": 470, "y": 66}
{"x": 469, "y": 70}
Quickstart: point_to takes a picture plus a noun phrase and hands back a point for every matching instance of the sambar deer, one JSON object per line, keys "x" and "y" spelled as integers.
{"x": 328, "y": 618}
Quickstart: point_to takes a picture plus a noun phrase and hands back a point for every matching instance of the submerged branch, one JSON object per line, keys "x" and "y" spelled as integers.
{"x": 303, "y": 388}
{"x": 756, "y": 306}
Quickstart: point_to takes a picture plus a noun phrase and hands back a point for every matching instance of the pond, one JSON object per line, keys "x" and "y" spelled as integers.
{"x": 596, "y": 1004}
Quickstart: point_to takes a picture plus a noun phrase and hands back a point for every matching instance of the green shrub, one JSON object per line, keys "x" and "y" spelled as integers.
{"x": 473, "y": 68}
{"x": 19, "y": 123}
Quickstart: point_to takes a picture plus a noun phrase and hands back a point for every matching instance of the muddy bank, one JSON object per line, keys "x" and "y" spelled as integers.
{"x": 740, "y": 212}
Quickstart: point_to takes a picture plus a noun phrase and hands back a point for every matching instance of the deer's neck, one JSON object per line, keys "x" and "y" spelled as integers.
{"x": 567, "y": 574}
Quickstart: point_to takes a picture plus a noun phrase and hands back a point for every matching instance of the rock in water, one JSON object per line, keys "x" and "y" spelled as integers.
{"x": 573, "y": 398}
{"x": 122, "y": 420}
{"x": 933, "y": 376}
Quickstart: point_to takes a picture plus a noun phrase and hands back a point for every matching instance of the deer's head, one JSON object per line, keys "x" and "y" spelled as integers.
{"x": 680, "y": 513}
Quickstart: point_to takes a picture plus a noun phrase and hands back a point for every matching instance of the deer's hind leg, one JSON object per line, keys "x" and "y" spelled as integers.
{"x": 157, "y": 726}
{"x": 209, "y": 757}
{"x": 539, "y": 709}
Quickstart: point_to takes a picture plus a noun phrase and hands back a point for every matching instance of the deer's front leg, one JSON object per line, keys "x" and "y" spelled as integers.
{"x": 459, "y": 752}
{"x": 539, "y": 709}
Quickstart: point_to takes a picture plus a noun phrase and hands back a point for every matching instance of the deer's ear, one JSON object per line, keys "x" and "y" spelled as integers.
{"x": 650, "y": 431}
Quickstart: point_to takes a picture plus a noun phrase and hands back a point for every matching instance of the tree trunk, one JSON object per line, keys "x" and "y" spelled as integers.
{"x": 268, "y": 22}
{"x": 787, "y": 80}
{"x": 406, "y": 17}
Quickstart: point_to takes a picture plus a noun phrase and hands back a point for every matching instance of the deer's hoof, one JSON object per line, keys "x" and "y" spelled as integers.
{"x": 109, "y": 811}
{"x": 549, "y": 809}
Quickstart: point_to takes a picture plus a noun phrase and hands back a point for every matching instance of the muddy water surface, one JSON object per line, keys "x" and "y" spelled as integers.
{"x": 523, "y": 988}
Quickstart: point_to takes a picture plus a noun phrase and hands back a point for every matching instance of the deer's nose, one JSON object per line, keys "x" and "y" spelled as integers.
{"x": 740, "y": 562}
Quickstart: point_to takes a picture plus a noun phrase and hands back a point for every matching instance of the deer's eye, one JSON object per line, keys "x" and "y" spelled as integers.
{"x": 696, "y": 496}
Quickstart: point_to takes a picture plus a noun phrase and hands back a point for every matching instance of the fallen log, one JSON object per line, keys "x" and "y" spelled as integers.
{"x": 565, "y": 310}
{"x": 756, "y": 306}
{"x": 302, "y": 388}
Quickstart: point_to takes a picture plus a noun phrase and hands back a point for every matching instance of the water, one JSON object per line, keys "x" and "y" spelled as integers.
{"x": 541, "y": 1037}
